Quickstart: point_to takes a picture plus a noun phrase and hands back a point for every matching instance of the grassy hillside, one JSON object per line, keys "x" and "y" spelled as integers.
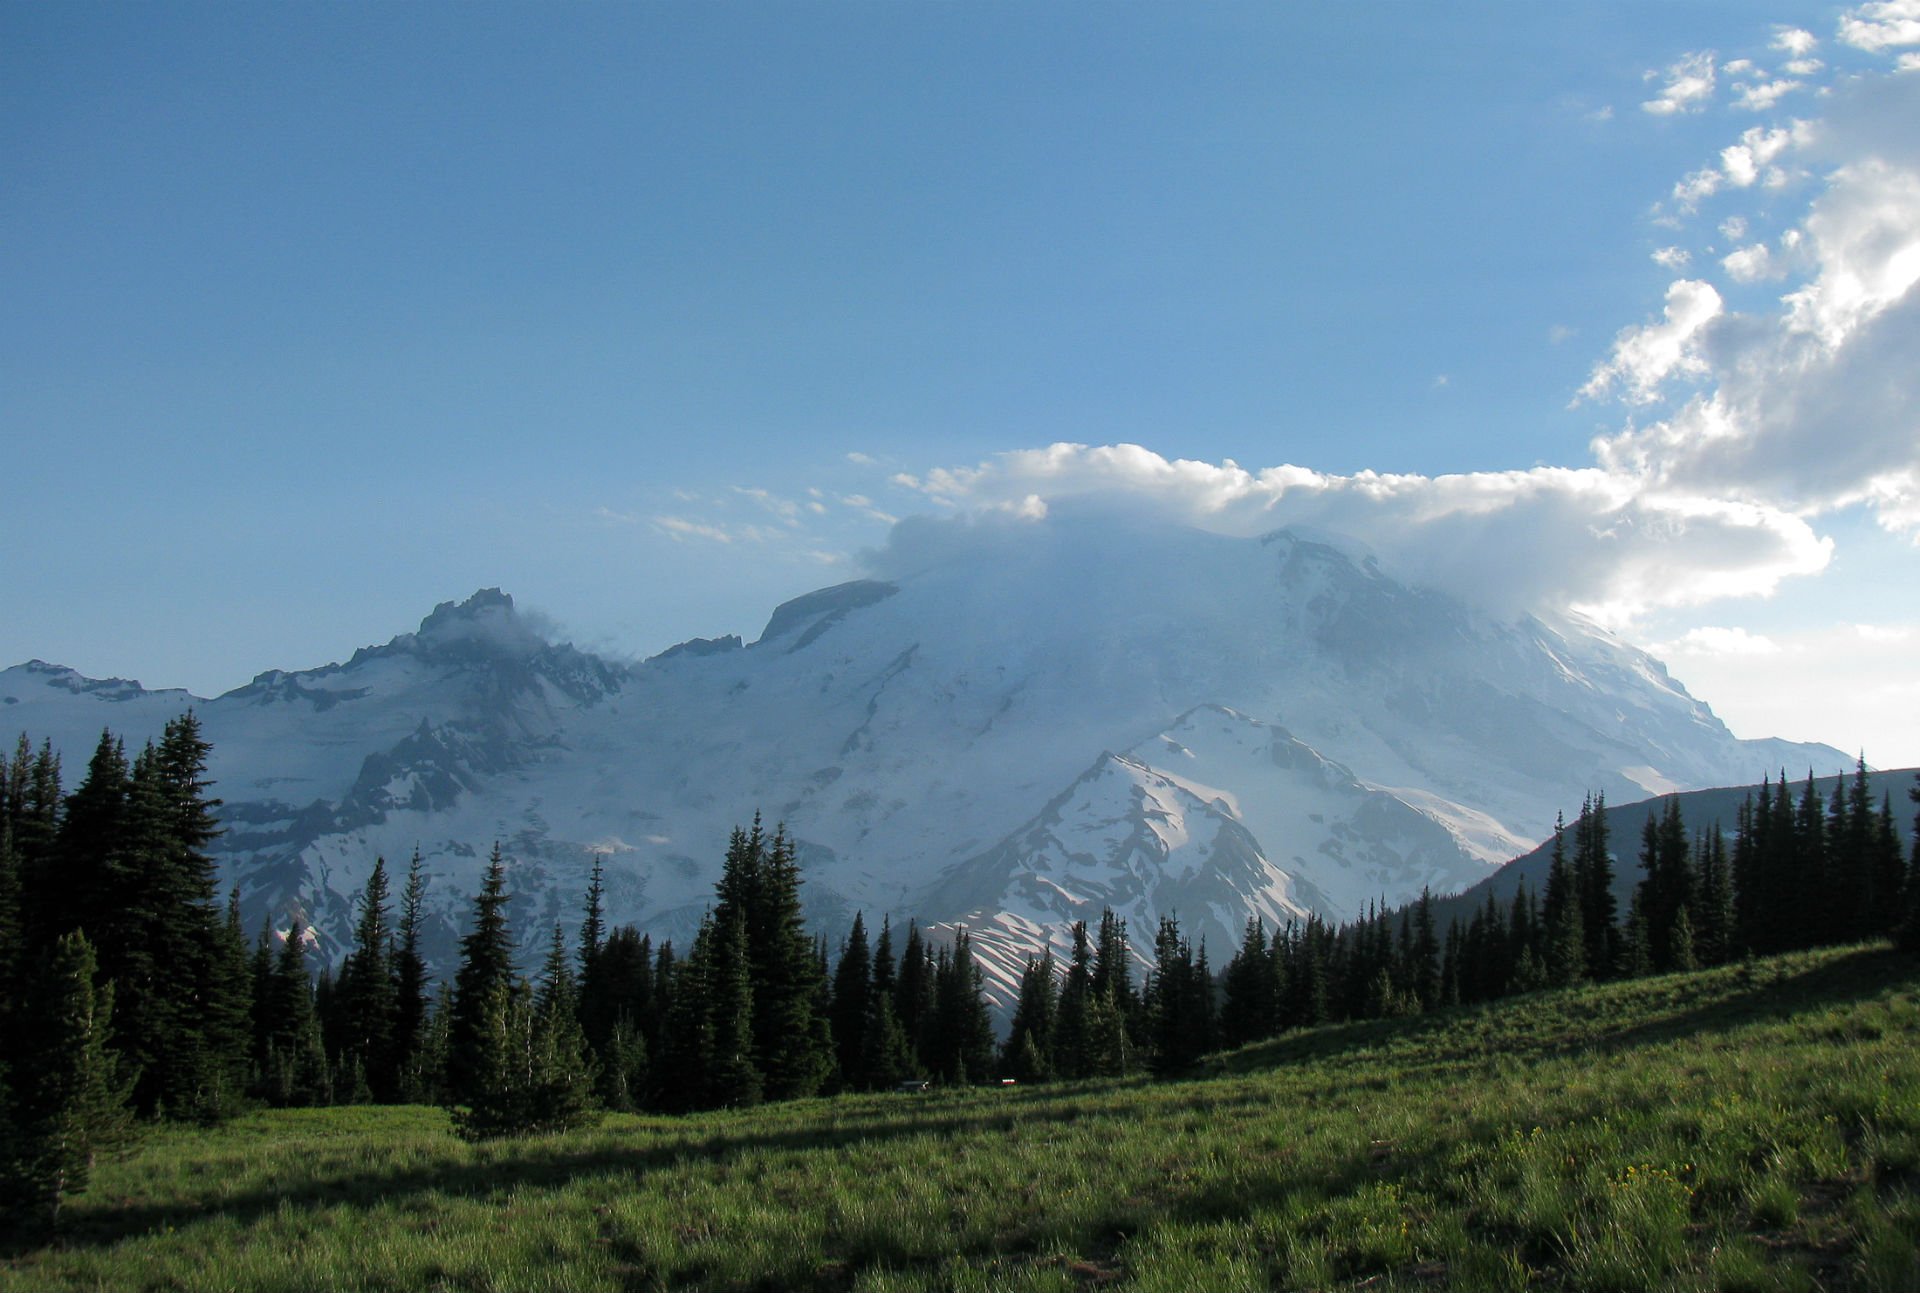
{"x": 1753, "y": 1127}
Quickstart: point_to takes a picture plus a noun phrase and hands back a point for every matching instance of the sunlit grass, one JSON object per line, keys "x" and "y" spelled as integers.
{"x": 1749, "y": 1128}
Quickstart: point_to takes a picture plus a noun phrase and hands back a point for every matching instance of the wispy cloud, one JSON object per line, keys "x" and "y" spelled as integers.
{"x": 1688, "y": 86}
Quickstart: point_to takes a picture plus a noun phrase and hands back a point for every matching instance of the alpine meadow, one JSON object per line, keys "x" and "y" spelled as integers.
{"x": 865, "y": 647}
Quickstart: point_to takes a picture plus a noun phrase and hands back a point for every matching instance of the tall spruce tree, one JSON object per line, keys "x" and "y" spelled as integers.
{"x": 411, "y": 1004}
{"x": 852, "y": 1007}
{"x": 366, "y": 998}
{"x": 482, "y": 996}
{"x": 68, "y": 1092}
{"x": 1029, "y": 1045}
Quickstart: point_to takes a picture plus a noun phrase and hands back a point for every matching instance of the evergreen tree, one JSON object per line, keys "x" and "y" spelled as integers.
{"x": 1027, "y": 1054}
{"x": 964, "y": 1031}
{"x": 1072, "y": 1039}
{"x": 1593, "y": 878}
{"x": 1714, "y": 940}
{"x": 1426, "y": 953}
{"x": 852, "y": 1008}
{"x": 1886, "y": 873}
{"x": 482, "y": 997}
{"x": 367, "y": 1002}
{"x": 1566, "y": 956}
{"x": 413, "y": 1077}
{"x": 913, "y": 997}
{"x": 294, "y": 1069}
{"x": 68, "y": 1098}
{"x": 1250, "y": 1009}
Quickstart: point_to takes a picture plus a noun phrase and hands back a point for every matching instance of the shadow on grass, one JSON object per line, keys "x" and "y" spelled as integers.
{"x": 1559, "y": 1023}
{"x": 1438, "y": 1045}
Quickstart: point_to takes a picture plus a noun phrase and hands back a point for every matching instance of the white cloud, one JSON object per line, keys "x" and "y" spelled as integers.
{"x": 1886, "y": 25}
{"x": 1760, "y": 96}
{"x": 1711, "y": 641}
{"x": 679, "y": 528}
{"x": 1699, "y": 185}
{"x": 1804, "y": 67}
{"x": 1750, "y": 264}
{"x": 1672, "y": 257}
{"x": 860, "y": 459}
{"x": 1645, "y": 357}
{"x": 1689, "y": 84}
{"x": 1867, "y": 686}
{"x": 1549, "y": 536}
{"x": 1734, "y": 228}
{"x": 1795, "y": 41}
{"x": 1741, "y": 163}
{"x": 1559, "y": 332}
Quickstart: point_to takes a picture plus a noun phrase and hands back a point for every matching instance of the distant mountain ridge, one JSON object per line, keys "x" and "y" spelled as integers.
{"x": 1140, "y": 716}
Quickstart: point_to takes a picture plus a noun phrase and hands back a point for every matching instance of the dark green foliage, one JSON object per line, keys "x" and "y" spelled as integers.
{"x": 414, "y": 1077}
{"x": 1250, "y": 1005}
{"x": 481, "y": 987}
{"x": 1026, "y": 1057}
{"x": 963, "y": 1049}
{"x": 293, "y": 1062}
{"x": 852, "y": 1008}
{"x": 66, "y": 1094}
{"x": 366, "y": 999}
{"x": 1179, "y": 1002}
{"x": 1072, "y": 1038}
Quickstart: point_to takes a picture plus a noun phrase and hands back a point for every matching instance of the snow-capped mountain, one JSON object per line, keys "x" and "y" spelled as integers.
{"x": 1011, "y": 733}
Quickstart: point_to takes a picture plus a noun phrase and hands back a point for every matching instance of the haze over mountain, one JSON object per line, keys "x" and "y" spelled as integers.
{"x": 1057, "y": 715}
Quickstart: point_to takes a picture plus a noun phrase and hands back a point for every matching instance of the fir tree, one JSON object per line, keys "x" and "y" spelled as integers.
{"x": 69, "y": 1096}
{"x": 481, "y": 987}
{"x": 412, "y": 1075}
{"x": 1072, "y": 1041}
{"x": 1029, "y": 1047}
{"x": 852, "y": 1008}
{"x": 367, "y": 998}
{"x": 1249, "y": 1011}
{"x": 964, "y": 1031}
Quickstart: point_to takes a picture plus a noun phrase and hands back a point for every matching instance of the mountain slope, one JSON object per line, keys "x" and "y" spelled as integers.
{"x": 1012, "y": 732}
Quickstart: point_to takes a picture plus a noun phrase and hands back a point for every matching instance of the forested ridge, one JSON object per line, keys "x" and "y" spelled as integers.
{"x": 130, "y": 993}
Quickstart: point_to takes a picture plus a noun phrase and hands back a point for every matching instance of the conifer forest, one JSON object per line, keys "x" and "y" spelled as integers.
{"x": 131, "y": 995}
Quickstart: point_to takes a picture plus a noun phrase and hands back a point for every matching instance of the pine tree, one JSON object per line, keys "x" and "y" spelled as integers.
{"x": 852, "y": 1009}
{"x": 367, "y": 1001}
{"x": 1593, "y": 878}
{"x": 964, "y": 1032}
{"x": 1714, "y": 940}
{"x": 413, "y": 1077}
{"x": 1249, "y": 1012}
{"x": 69, "y": 1097}
{"x": 1029, "y": 1047}
{"x": 792, "y": 1047}
{"x": 913, "y": 997}
{"x": 1886, "y": 873}
{"x": 481, "y": 987}
{"x": 295, "y": 1069}
{"x": 1072, "y": 1042}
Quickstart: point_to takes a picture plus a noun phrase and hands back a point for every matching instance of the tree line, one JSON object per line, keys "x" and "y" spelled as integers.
{"x": 1800, "y": 871}
{"x": 128, "y": 991}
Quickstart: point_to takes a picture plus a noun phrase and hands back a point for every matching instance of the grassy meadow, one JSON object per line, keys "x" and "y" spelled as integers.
{"x": 1749, "y": 1128}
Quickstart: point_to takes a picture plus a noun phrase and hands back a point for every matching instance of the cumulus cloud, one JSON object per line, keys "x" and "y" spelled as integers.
{"x": 1645, "y": 357}
{"x": 1672, "y": 257}
{"x": 1759, "y": 96}
{"x": 1882, "y": 26}
{"x": 1749, "y": 264}
{"x": 1688, "y": 88}
{"x": 1796, "y": 42}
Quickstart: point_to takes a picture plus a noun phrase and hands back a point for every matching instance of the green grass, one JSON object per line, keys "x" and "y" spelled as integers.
{"x": 1747, "y": 1128}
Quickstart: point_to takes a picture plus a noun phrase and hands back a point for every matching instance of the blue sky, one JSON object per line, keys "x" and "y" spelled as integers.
{"x": 314, "y": 316}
